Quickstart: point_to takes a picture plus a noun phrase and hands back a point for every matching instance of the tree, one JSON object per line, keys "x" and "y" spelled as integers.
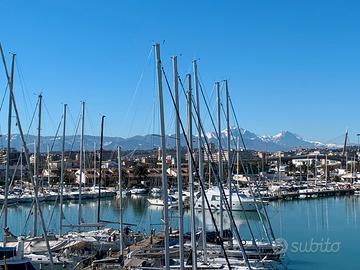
{"x": 69, "y": 177}
{"x": 124, "y": 176}
{"x": 141, "y": 170}
{"x": 292, "y": 167}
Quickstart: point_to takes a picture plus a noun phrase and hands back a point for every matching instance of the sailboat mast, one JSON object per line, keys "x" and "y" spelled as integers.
{"x": 190, "y": 173}
{"x": 37, "y": 162}
{"x": 7, "y": 171}
{"x": 21, "y": 168}
{"x": 220, "y": 158}
{"x": 229, "y": 171}
{"x": 238, "y": 157}
{"x": 24, "y": 145}
{"x": 201, "y": 159}
{"x": 163, "y": 156}
{"x": 209, "y": 164}
{"x": 48, "y": 163}
{"x": 94, "y": 181}
{"x": 345, "y": 143}
{"x": 100, "y": 172}
{"x": 81, "y": 159}
{"x": 120, "y": 203}
{"x": 178, "y": 165}
{"x": 315, "y": 171}
{"x": 62, "y": 172}
{"x": 278, "y": 167}
{"x": 35, "y": 183}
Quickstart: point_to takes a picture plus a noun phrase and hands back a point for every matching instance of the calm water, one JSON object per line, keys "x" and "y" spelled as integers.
{"x": 320, "y": 233}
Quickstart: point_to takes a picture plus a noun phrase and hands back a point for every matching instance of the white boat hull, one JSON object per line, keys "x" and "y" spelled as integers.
{"x": 242, "y": 204}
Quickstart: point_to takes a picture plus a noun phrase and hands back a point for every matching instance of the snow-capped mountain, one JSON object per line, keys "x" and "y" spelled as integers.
{"x": 280, "y": 142}
{"x": 285, "y": 140}
{"x": 289, "y": 140}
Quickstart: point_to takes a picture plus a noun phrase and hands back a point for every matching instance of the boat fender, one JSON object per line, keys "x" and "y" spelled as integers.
{"x": 243, "y": 242}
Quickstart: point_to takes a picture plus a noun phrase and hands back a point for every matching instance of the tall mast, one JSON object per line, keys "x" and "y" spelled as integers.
{"x": 209, "y": 164}
{"x": 229, "y": 171}
{"x": 262, "y": 161}
{"x": 81, "y": 159}
{"x": 94, "y": 166}
{"x": 7, "y": 172}
{"x": 35, "y": 189}
{"x": 238, "y": 157}
{"x": 190, "y": 172}
{"x": 37, "y": 162}
{"x": 28, "y": 161}
{"x": 315, "y": 171}
{"x": 21, "y": 168}
{"x": 346, "y": 162}
{"x": 279, "y": 164}
{"x": 201, "y": 159}
{"x": 326, "y": 169}
{"x": 62, "y": 171}
{"x": 163, "y": 156}
{"x": 345, "y": 143}
{"x": 307, "y": 170}
{"x": 178, "y": 164}
{"x": 48, "y": 162}
{"x": 220, "y": 158}
{"x": 100, "y": 172}
{"x": 120, "y": 203}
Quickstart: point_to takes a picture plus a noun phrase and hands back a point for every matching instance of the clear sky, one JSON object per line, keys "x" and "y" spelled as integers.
{"x": 291, "y": 65}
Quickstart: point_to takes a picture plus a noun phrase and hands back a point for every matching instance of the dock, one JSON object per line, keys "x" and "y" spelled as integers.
{"x": 308, "y": 194}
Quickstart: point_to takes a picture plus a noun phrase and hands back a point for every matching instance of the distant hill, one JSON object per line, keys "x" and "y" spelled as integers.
{"x": 281, "y": 142}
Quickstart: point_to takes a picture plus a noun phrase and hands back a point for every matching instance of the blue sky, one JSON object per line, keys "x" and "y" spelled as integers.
{"x": 291, "y": 65}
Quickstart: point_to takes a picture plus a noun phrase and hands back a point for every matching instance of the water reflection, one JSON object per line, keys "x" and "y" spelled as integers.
{"x": 295, "y": 221}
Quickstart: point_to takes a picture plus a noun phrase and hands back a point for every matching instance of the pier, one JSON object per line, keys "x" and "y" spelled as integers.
{"x": 316, "y": 193}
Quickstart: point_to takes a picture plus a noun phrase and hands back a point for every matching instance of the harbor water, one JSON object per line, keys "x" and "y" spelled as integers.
{"x": 320, "y": 233}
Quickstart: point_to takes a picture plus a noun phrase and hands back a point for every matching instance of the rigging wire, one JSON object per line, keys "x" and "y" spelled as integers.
{"x": 255, "y": 182}
{"x": 223, "y": 156}
{"x": 253, "y": 194}
{"x": 210, "y": 99}
{"x": 137, "y": 88}
{"x": 23, "y": 86}
{"x": 1, "y": 106}
{"x": 66, "y": 165}
{"x": 48, "y": 114}
{"x": 203, "y": 188}
{"x": 76, "y": 131}
{"x": 32, "y": 119}
{"x": 262, "y": 203}
{"x": 56, "y": 134}
{"x": 90, "y": 120}
{"x": 237, "y": 123}
{"x": 3, "y": 98}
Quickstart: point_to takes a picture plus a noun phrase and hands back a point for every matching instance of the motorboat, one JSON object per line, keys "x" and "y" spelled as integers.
{"x": 240, "y": 202}
{"x": 172, "y": 201}
{"x": 137, "y": 190}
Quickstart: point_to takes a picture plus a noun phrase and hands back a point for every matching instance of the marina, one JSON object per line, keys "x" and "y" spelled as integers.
{"x": 123, "y": 148}
{"x": 321, "y": 219}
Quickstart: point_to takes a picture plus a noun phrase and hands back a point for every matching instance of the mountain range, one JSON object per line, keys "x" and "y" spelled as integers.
{"x": 283, "y": 141}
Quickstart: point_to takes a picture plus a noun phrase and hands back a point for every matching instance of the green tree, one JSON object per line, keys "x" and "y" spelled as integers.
{"x": 69, "y": 177}
{"x": 124, "y": 176}
{"x": 141, "y": 170}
